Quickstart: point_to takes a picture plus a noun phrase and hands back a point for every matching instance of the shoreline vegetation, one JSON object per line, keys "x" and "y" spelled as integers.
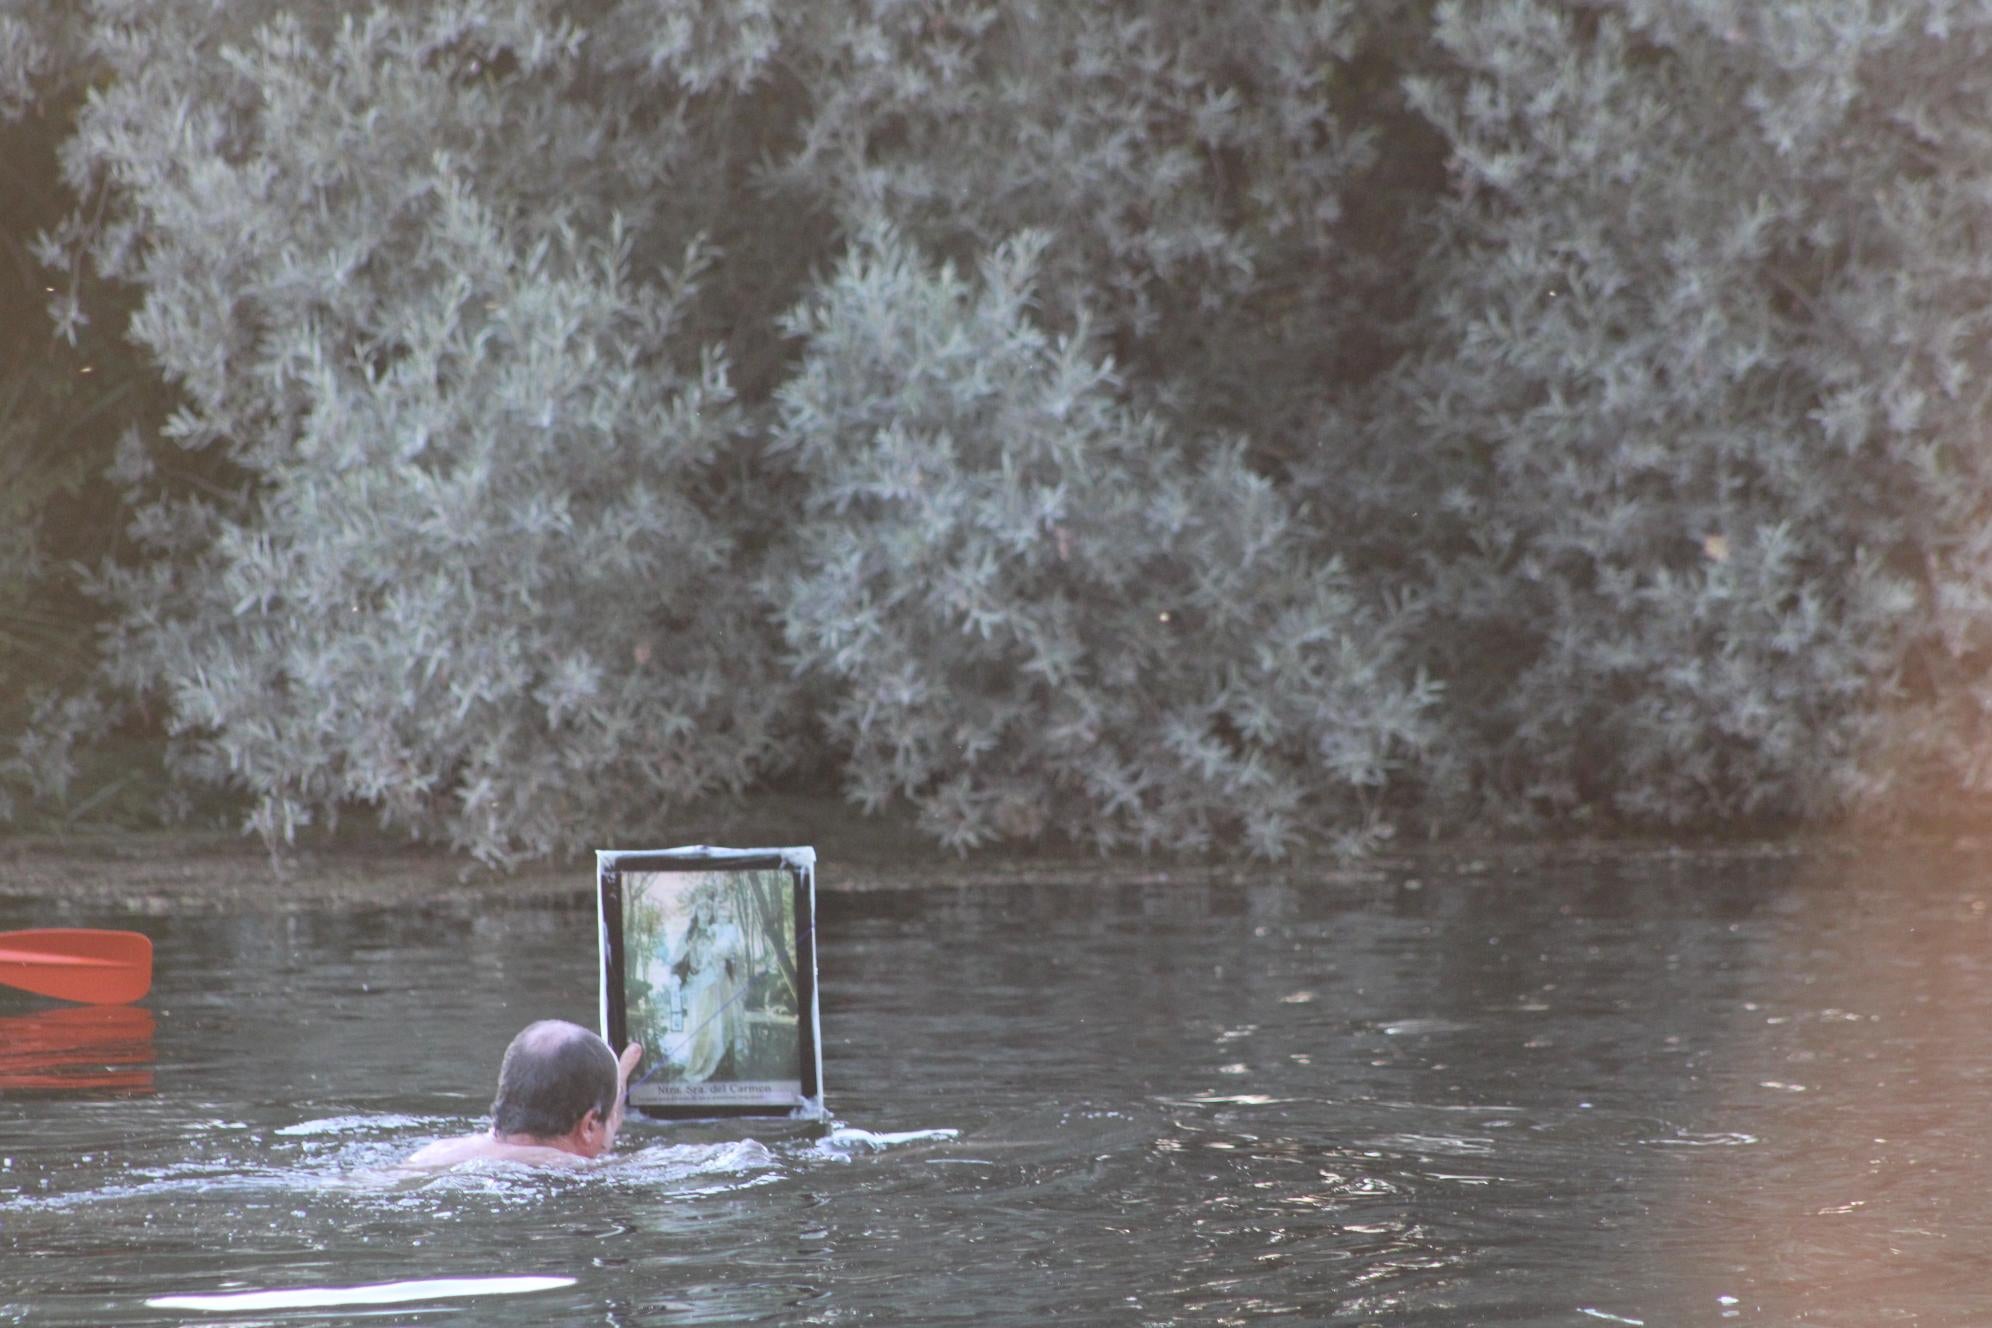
{"x": 108, "y": 874}
{"x": 1290, "y": 428}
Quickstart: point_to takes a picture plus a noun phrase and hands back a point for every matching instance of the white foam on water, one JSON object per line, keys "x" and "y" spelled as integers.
{"x": 377, "y": 1293}
{"x": 844, "y": 1140}
{"x": 1692, "y": 1139}
{"x": 1421, "y": 1027}
{"x": 1456, "y": 1145}
{"x": 675, "y": 1161}
{"x": 350, "y": 1125}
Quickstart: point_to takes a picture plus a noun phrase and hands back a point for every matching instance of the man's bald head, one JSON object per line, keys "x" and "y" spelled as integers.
{"x": 553, "y": 1074}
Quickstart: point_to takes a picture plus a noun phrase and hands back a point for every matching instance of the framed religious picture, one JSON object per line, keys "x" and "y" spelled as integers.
{"x": 708, "y": 958}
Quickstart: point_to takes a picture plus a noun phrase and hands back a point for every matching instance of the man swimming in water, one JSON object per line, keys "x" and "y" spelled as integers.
{"x": 559, "y": 1103}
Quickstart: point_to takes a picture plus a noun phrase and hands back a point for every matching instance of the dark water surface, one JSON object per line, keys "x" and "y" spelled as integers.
{"x": 1674, "y": 1091}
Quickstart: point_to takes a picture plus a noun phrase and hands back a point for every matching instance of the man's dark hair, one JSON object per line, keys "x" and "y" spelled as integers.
{"x": 552, "y": 1074}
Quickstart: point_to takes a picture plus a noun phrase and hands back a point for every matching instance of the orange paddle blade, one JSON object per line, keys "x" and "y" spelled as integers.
{"x": 78, "y": 964}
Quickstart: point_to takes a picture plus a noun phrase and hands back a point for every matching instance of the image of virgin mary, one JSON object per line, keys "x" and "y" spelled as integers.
{"x": 707, "y": 993}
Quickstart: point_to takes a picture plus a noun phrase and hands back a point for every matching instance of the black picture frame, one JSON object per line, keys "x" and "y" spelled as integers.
{"x": 708, "y": 957}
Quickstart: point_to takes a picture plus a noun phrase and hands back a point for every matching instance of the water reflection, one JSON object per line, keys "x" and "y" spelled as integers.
{"x": 1853, "y": 1189}
{"x": 77, "y": 1049}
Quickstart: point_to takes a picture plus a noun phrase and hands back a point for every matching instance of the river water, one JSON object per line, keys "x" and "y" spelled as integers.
{"x": 1665, "y": 1090}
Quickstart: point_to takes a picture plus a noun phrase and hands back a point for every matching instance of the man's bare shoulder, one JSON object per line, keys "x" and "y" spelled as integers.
{"x": 484, "y": 1148}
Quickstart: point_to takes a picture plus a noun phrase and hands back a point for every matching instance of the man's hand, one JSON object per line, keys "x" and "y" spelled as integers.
{"x": 625, "y": 1065}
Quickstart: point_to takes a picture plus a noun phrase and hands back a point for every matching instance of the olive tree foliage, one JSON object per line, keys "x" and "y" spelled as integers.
{"x": 1691, "y": 458}
{"x": 473, "y": 312}
{"x": 579, "y": 401}
{"x": 32, "y": 468}
{"x": 1187, "y": 162}
{"x": 25, "y": 55}
{"x": 421, "y": 281}
{"x": 27, "y": 472}
{"x": 65, "y": 389}
{"x": 1042, "y": 612}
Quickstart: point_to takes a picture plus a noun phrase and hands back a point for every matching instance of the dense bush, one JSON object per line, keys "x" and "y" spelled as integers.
{"x": 469, "y": 574}
{"x": 1188, "y": 165}
{"x": 1096, "y": 421}
{"x": 1689, "y": 443}
{"x": 452, "y": 291}
{"x": 68, "y": 387}
{"x": 1041, "y": 611}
